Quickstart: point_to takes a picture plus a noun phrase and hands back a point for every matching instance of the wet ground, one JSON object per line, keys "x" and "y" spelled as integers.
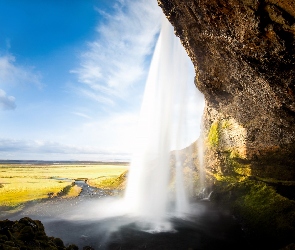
{"x": 95, "y": 219}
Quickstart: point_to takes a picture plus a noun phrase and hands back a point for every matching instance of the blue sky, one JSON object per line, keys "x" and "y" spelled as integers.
{"x": 72, "y": 76}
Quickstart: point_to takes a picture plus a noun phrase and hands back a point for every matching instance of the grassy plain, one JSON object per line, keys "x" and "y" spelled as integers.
{"x": 20, "y": 183}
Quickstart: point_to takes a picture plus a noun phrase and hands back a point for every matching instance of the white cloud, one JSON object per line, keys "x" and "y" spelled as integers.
{"x": 104, "y": 138}
{"x": 114, "y": 133}
{"x": 81, "y": 115}
{"x": 96, "y": 96}
{"x": 6, "y": 102}
{"x": 116, "y": 60}
{"x": 11, "y": 74}
{"x": 45, "y": 150}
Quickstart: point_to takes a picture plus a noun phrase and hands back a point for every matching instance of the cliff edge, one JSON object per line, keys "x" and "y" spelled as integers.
{"x": 243, "y": 52}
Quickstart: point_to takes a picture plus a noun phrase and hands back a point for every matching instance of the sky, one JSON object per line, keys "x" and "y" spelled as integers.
{"x": 72, "y": 77}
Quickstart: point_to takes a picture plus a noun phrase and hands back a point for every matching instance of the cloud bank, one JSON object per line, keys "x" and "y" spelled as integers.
{"x": 48, "y": 150}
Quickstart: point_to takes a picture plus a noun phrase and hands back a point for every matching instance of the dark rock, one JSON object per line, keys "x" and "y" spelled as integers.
{"x": 244, "y": 58}
{"x": 88, "y": 248}
{"x": 72, "y": 247}
{"x": 243, "y": 52}
{"x": 28, "y": 234}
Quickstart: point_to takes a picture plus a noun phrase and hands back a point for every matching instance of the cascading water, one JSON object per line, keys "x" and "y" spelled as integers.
{"x": 157, "y": 187}
{"x": 150, "y": 200}
{"x": 160, "y": 130}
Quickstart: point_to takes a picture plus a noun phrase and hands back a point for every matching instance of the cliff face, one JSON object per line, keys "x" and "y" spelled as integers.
{"x": 244, "y": 57}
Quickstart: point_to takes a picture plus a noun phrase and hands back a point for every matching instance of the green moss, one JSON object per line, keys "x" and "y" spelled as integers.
{"x": 225, "y": 124}
{"x": 225, "y": 178}
{"x": 261, "y": 202}
{"x": 265, "y": 214}
{"x": 213, "y": 135}
{"x": 234, "y": 169}
{"x": 234, "y": 154}
{"x": 215, "y": 131}
{"x": 265, "y": 210}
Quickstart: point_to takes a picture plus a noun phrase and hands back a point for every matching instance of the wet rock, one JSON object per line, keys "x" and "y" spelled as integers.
{"x": 88, "y": 248}
{"x": 72, "y": 247}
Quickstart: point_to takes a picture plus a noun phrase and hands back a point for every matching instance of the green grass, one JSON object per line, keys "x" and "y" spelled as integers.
{"x": 110, "y": 182}
{"x": 17, "y": 190}
{"x": 23, "y": 183}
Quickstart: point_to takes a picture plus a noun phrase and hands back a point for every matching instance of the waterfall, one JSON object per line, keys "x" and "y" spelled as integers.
{"x": 161, "y": 128}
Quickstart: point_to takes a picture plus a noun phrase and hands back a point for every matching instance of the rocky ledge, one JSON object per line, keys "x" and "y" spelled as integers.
{"x": 28, "y": 234}
{"x": 243, "y": 52}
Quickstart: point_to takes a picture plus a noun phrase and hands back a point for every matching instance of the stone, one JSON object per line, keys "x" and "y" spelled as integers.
{"x": 243, "y": 52}
{"x": 28, "y": 234}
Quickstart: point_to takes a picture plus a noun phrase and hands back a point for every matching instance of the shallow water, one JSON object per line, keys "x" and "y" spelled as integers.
{"x": 100, "y": 222}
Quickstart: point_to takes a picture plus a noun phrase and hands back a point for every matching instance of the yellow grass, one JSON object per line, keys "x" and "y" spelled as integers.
{"x": 112, "y": 182}
{"x": 74, "y": 191}
{"x": 22, "y": 183}
{"x": 18, "y": 190}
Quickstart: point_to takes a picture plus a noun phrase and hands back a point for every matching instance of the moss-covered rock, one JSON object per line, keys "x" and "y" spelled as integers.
{"x": 213, "y": 135}
{"x": 28, "y": 234}
{"x": 268, "y": 217}
{"x": 264, "y": 203}
{"x": 244, "y": 57}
